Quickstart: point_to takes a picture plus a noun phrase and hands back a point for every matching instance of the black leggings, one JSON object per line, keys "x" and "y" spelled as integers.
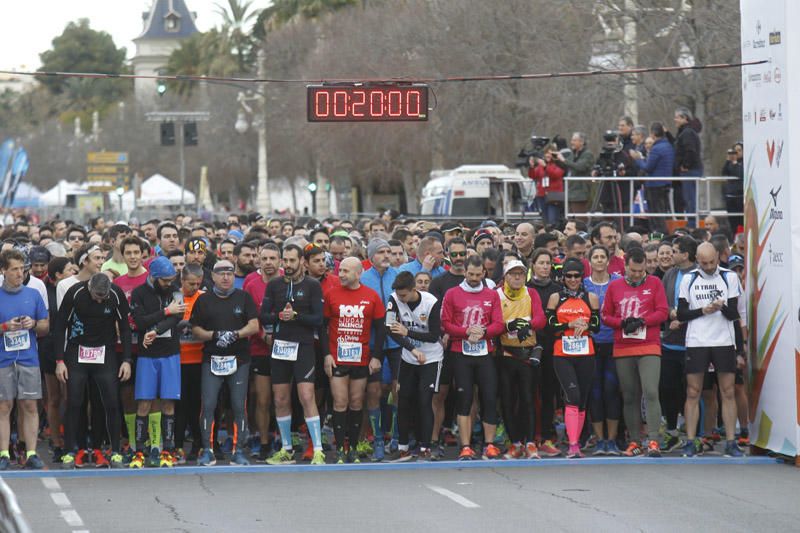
{"x": 517, "y": 391}
{"x": 187, "y": 410}
{"x": 469, "y": 371}
{"x": 575, "y": 375}
{"x": 548, "y": 385}
{"x": 606, "y": 400}
{"x": 105, "y": 376}
{"x": 671, "y": 385}
{"x": 417, "y": 383}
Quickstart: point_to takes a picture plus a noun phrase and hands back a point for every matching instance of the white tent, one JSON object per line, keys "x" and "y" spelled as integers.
{"x": 57, "y": 196}
{"x": 159, "y": 191}
{"x": 27, "y": 196}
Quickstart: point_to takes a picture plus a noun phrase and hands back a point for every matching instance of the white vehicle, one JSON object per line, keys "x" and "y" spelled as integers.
{"x": 477, "y": 191}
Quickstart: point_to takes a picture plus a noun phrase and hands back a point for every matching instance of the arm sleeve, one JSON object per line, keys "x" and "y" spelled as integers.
{"x": 314, "y": 318}
{"x": 739, "y": 337}
{"x": 269, "y": 314}
{"x": 594, "y": 319}
{"x": 685, "y": 314}
{"x": 538, "y": 320}
{"x": 609, "y": 311}
{"x": 62, "y": 317}
{"x": 448, "y": 326}
{"x": 324, "y": 340}
{"x": 379, "y": 329}
{"x": 434, "y": 327}
{"x": 553, "y": 324}
{"x": 731, "y": 309}
{"x": 496, "y": 326}
{"x": 661, "y": 311}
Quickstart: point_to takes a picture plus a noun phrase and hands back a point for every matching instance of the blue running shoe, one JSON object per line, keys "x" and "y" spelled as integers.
{"x": 206, "y": 458}
{"x": 5, "y": 462}
{"x": 601, "y": 448}
{"x": 731, "y": 449}
{"x": 255, "y": 446}
{"x": 239, "y": 458}
{"x": 35, "y": 463}
{"x": 612, "y": 448}
{"x": 378, "y": 452}
{"x": 227, "y": 446}
{"x": 688, "y": 449}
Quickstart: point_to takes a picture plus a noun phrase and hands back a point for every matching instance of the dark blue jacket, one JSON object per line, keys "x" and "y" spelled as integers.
{"x": 659, "y": 163}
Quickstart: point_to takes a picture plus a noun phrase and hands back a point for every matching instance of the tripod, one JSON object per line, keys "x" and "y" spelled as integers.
{"x": 614, "y": 192}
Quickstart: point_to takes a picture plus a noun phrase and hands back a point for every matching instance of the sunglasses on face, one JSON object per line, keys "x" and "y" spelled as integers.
{"x": 458, "y": 254}
{"x": 572, "y": 276}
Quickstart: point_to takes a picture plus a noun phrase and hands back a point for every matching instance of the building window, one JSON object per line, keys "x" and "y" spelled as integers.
{"x": 172, "y": 23}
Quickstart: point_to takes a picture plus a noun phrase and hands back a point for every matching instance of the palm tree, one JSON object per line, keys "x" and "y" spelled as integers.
{"x": 238, "y": 19}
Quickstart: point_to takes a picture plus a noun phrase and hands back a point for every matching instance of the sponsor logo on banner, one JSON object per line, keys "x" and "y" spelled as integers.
{"x": 762, "y": 116}
{"x": 774, "y": 212}
{"x": 767, "y": 77}
{"x": 774, "y": 38}
{"x": 775, "y": 257}
{"x": 774, "y": 152}
{"x": 777, "y": 76}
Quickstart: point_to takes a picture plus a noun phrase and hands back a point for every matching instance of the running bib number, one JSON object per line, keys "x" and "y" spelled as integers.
{"x": 639, "y": 334}
{"x": 285, "y": 350}
{"x": 474, "y": 349}
{"x": 15, "y": 341}
{"x": 348, "y": 352}
{"x": 93, "y": 355}
{"x": 575, "y": 345}
{"x": 223, "y": 365}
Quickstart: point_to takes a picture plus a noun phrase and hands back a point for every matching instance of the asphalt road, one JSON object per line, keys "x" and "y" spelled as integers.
{"x": 555, "y": 495}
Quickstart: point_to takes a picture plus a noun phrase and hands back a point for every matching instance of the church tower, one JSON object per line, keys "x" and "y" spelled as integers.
{"x": 166, "y": 24}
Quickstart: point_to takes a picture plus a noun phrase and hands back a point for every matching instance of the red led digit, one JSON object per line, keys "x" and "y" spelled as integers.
{"x": 359, "y": 100}
{"x": 376, "y": 103}
{"x": 395, "y": 103}
{"x": 322, "y": 104}
{"x": 412, "y": 103}
{"x": 340, "y": 103}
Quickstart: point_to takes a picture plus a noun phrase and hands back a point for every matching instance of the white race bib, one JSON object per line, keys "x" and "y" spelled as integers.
{"x": 165, "y": 335}
{"x": 285, "y": 350}
{"x": 639, "y": 334}
{"x": 348, "y": 352}
{"x": 94, "y": 355}
{"x": 15, "y": 341}
{"x": 575, "y": 345}
{"x": 223, "y": 365}
{"x": 475, "y": 349}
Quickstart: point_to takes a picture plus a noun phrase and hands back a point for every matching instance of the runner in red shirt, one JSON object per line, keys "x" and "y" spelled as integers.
{"x": 351, "y": 310}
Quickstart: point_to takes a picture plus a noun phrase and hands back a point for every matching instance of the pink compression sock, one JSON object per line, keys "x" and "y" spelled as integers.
{"x": 572, "y": 419}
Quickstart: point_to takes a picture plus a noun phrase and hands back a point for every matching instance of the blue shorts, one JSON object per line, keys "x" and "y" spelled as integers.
{"x": 158, "y": 377}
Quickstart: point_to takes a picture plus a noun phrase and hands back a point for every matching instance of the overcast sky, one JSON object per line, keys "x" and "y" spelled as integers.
{"x": 29, "y": 26}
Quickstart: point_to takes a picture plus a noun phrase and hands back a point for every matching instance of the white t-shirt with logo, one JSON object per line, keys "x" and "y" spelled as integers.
{"x": 714, "y": 329}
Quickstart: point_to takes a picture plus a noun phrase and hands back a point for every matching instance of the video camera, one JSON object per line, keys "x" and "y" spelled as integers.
{"x": 607, "y": 162}
{"x": 535, "y": 148}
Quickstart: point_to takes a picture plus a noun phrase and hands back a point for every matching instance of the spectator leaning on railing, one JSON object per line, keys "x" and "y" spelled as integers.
{"x": 659, "y": 163}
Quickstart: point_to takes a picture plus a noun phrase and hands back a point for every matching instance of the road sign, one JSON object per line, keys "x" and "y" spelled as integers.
{"x": 107, "y": 158}
{"x": 107, "y": 169}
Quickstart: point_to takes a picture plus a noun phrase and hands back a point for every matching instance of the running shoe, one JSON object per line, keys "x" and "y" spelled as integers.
{"x": 591, "y": 443}
{"x": 574, "y": 452}
{"x": 393, "y": 445}
{"x": 707, "y": 444}
{"x": 81, "y": 458}
{"x": 401, "y": 456}
{"x": 633, "y": 450}
{"x": 449, "y": 438}
{"x": 308, "y": 453}
{"x": 732, "y": 450}
{"x": 319, "y": 458}
{"x": 364, "y": 448}
{"x": 671, "y": 443}
{"x": 490, "y": 451}
{"x": 514, "y": 451}
{"x": 239, "y": 458}
{"x": 117, "y": 461}
{"x": 58, "y": 453}
{"x": 743, "y": 441}
{"x": 547, "y": 449}
{"x": 425, "y": 456}
{"x": 281, "y": 457}
{"x": 352, "y": 457}
{"x": 227, "y": 446}
{"x": 5, "y": 462}
{"x": 688, "y": 449}
{"x": 439, "y": 450}
{"x": 127, "y": 453}
{"x": 136, "y": 462}
{"x": 379, "y": 452}
{"x": 341, "y": 456}
{"x": 100, "y": 460}
{"x": 67, "y": 461}
{"x": 255, "y": 446}
{"x": 653, "y": 450}
{"x": 206, "y": 458}
{"x": 531, "y": 451}
{"x": 467, "y": 454}
{"x": 34, "y": 462}
{"x": 716, "y": 435}
{"x": 165, "y": 460}
{"x": 601, "y": 448}
{"x": 500, "y": 435}
{"x": 612, "y": 448}
{"x": 179, "y": 456}
{"x": 263, "y": 455}
{"x": 154, "y": 460}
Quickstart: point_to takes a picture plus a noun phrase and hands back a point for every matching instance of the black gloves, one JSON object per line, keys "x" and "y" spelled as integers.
{"x": 524, "y": 333}
{"x": 631, "y": 324}
{"x": 517, "y": 324}
{"x": 225, "y": 338}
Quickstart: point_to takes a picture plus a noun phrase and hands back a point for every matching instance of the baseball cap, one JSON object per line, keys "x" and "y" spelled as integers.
{"x": 448, "y": 227}
{"x": 735, "y": 261}
{"x": 161, "y": 267}
{"x": 514, "y": 264}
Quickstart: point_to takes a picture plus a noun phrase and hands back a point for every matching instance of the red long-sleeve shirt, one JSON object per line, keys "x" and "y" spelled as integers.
{"x": 648, "y": 302}
{"x": 462, "y": 309}
{"x": 554, "y": 175}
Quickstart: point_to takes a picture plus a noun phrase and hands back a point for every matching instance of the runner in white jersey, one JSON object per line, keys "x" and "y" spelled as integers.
{"x": 708, "y": 301}
{"x": 414, "y": 322}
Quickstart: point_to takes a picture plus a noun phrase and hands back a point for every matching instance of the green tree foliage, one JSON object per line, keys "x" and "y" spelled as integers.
{"x": 82, "y": 49}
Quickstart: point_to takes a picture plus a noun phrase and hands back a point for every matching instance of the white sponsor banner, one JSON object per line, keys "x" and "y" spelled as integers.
{"x": 771, "y": 118}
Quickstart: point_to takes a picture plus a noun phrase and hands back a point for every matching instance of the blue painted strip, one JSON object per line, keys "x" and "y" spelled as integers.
{"x": 437, "y": 465}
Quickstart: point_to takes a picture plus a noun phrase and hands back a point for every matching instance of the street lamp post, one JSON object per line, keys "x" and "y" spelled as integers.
{"x": 258, "y": 114}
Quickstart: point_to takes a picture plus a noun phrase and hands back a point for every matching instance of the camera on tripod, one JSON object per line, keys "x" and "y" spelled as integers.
{"x": 535, "y": 149}
{"x": 608, "y": 164}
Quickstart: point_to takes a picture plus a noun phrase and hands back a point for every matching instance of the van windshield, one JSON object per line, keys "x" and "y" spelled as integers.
{"x": 470, "y": 207}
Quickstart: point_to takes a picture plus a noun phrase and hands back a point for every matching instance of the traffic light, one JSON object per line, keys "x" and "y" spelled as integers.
{"x": 167, "y": 134}
{"x": 161, "y": 86}
{"x": 190, "y": 134}
{"x": 312, "y": 186}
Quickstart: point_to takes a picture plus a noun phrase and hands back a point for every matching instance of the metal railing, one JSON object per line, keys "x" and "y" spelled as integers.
{"x": 700, "y": 180}
{"x": 11, "y": 518}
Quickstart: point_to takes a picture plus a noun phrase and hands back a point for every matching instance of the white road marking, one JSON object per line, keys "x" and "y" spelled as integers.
{"x": 60, "y": 499}
{"x": 51, "y": 483}
{"x": 459, "y": 499}
{"x": 71, "y": 517}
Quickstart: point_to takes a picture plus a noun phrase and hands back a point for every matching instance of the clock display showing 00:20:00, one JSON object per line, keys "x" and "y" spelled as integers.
{"x": 359, "y": 103}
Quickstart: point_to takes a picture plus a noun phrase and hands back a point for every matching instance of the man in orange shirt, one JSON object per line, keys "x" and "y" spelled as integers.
{"x": 188, "y": 409}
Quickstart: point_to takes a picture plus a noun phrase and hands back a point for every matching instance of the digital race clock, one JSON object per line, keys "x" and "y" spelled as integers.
{"x": 358, "y": 102}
